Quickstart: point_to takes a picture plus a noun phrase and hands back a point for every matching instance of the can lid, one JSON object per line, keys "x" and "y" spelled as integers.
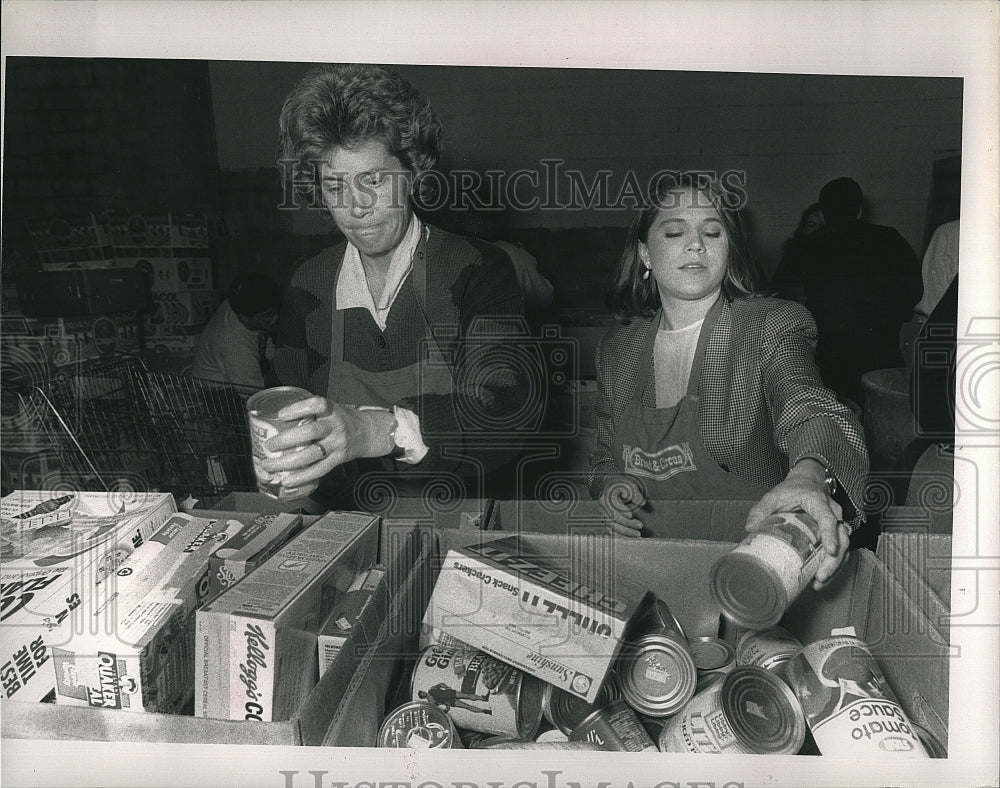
{"x": 418, "y": 725}
{"x": 762, "y": 711}
{"x": 529, "y": 705}
{"x": 711, "y": 653}
{"x": 268, "y": 402}
{"x": 566, "y": 711}
{"x": 749, "y": 591}
{"x": 657, "y": 674}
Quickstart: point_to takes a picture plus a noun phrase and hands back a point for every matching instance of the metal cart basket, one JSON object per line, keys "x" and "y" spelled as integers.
{"x": 114, "y": 423}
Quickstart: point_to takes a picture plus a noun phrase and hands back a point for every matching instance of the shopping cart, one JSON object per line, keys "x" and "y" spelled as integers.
{"x": 116, "y": 424}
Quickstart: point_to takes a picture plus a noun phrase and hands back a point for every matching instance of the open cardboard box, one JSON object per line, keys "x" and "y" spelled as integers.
{"x": 307, "y": 726}
{"x": 912, "y": 651}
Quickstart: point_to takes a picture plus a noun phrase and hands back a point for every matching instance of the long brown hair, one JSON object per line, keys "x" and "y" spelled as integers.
{"x": 633, "y": 296}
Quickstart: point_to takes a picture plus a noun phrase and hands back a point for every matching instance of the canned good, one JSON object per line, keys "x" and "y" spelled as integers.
{"x": 479, "y": 692}
{"x": 712, "y": 655}
{"x": 565, "y": 711}
{"x": 656, "y": 674}
{"x": 420, "y": 726}
{"x": 615, "y": 727}
{"x": 656, "y": 616}
{"x": 770, "y": 649}
{"x": 262, "y": 415}
{"x": 849, "y": 707}
{"x": 932, "y": 744}
{"x": 551, "y": 735}
{"x": 758, "y": 579}
{"x": 748, "y": 711}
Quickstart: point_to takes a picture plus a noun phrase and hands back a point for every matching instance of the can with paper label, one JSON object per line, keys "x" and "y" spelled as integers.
{"x": 850, "y": 708}
{"x": 262, "y": 415}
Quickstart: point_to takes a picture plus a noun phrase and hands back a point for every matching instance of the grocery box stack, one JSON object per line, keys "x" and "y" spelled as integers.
{"x": 172, "y": 252}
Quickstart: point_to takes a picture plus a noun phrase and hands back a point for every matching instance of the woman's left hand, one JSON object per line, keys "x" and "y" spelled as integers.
{"x": 331, "y": 435}
{"x": 805, "y": 488}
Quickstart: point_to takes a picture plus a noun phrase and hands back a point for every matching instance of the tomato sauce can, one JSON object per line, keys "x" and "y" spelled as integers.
{"x": 850, "y": 708}
{"x": 770, "y": 648}
{"x": 657, "y": 674}
{"x": 757, "y": 580}
{"x": 747, "y": 711}
{"x": 565, "y": 711}
{"x": 419, "y": 726}
{"x": 479, "y": 692}
{"x": 262, "y": 416}
{"x": 614, "y": 727}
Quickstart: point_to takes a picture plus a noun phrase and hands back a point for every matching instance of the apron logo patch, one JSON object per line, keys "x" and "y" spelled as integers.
{"x": 660, "y": 465}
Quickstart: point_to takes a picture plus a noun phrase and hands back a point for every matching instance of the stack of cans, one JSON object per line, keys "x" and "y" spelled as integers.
{"x": 749, "y": 691}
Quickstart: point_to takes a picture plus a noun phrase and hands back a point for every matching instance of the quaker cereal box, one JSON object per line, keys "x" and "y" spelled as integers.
{"x": 57, "y": 548}
{"x": 134, "y": 649}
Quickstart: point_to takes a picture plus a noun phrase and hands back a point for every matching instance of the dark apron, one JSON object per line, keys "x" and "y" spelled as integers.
{"x": 662, "y": 447}
{"x": 351, "y": 385}
{"x": 362, "y": 483}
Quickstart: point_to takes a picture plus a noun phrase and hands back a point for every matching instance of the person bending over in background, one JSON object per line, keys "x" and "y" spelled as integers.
{"x": 709, "y": 392}
{"x": 398, "y": 329}
{"x": 236, "y": 345}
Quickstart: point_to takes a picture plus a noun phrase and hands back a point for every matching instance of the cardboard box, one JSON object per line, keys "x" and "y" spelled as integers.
{"x": 132, "y": 647}
{"x": 56, "y": 548}
{"x": 166, "y": 273}
{"x": 63, "y": 341}
{"x": 921, "y": 564}
{"x": 912, "y": 652}
{"x": 349, "y": 615}
{"x": 307, "y": 726}
{"x": 531, "y": 610}
{"x": 248, "y": 547}
{"x": 253, "y": 644}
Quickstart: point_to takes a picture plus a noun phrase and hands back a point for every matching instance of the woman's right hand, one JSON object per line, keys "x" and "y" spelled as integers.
{"x": 621, "y": 499}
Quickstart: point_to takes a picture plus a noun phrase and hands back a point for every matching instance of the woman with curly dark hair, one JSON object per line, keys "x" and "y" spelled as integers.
{"x": 393, "y": 329}
{"x": 709, "y": 391}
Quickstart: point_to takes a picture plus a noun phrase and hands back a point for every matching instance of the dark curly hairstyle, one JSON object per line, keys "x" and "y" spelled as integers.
{"x": 632, "y": 296}
{"x": 346, "y": 104}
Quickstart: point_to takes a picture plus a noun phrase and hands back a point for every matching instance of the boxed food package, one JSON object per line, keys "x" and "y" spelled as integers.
{"x": 72, "y": 242}
{"x": 167, "y": 273}
{"x": 55, "y": 547}
{"x": 348, "y": 614}
{"x": 530, "y": 610}
{"x": 256, "y": 643}
{"x": 247, "y": 546}
{"x": 132, "y": 647}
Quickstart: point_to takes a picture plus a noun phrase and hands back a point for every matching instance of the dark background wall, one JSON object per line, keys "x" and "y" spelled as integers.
{"x": 151, "y": 135}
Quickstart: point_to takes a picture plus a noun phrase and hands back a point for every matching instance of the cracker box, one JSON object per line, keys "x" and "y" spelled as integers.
{"x": 522, "y": 608}
{"x": 133, "y": 648}
{"x": 255, "y": 654}
{"x": 348, "y": 613}
{"x": 56, "y": 547}
{"x": 250, "y": 540}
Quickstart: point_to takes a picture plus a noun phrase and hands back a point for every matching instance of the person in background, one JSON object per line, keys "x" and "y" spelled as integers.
{"x": 787, "y": 279}
{"x": 237, "y": 344}
{"x": 710, "y": 392}
{"x": 938, "y": 269}
{"x": 399, "y": 329}
{"x": 861, "y": 282}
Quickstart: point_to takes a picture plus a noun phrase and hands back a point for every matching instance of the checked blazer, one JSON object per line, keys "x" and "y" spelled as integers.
{"x": 762, "y": 406}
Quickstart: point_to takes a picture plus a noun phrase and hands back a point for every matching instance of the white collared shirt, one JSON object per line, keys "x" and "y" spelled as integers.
{"x": 352, "y": 284}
